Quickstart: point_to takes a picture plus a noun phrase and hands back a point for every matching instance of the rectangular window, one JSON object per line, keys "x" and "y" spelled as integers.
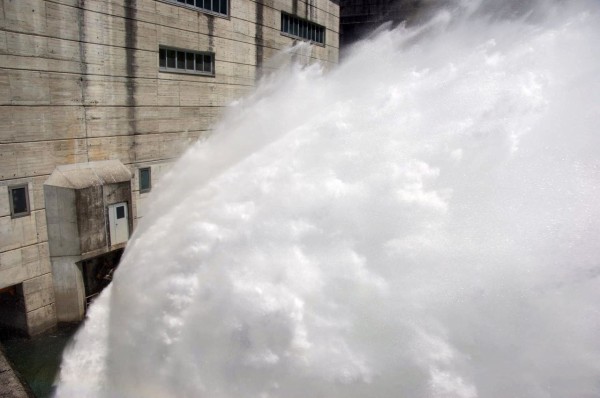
{"x": 214, "y": 6}
{"x": 285, "y": 24}
{"x": 302, "y": 29}
{"x": 171, "y": 60}
{"x": 199, "y": 63}
{"x": 189, "y": 61}
{"x": 145, "y": 180}
{"x": 180, "y": 60}
{"x": 162, "y": 58}
{"x": 208, "y": 63}
{"x": 19, "y": 200}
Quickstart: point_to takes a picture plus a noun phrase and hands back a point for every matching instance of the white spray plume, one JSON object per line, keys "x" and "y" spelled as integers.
{"x": 423, "y": 221}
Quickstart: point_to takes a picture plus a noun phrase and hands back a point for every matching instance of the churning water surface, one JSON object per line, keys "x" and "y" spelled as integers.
{"x": 422, "y": 221}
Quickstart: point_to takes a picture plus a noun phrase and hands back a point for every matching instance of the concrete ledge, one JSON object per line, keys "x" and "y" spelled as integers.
{"x": 85, "y": 175}
{"x": 11, "y": 384}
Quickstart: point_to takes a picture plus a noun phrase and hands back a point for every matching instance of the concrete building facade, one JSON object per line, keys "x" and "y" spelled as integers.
{"x": 97, "y": 99}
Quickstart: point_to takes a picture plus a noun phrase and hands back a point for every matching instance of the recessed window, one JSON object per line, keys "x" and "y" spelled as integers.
{"x": 19, "y": 200}
{"x": 174, "y": 60}
{"x": 216, "y": 6}
{"x": 302, "y": 29}
{"x": 145, "y": 180}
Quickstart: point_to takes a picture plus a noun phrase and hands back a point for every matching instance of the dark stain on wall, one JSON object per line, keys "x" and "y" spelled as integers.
{"x": 258, "y": 38}
{"x": 211, "y": 32}
{"x": 92, "y": 218}
{"x": 82, "y": 38}
{"x": 130, "y": 47}
{"x": 81, "y": 24}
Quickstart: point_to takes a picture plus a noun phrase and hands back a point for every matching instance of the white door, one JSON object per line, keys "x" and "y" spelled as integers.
{"x": 119, "y": 223}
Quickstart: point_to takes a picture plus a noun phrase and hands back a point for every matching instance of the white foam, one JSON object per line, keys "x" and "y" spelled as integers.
{"x": 423, "y": 221}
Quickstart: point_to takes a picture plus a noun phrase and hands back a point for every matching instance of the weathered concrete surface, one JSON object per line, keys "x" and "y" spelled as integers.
{"x": 77, "y": 196}
{"x": 68, "y": 289}
{"x": 85, "y": 175}
{"x": 11, "y": 385}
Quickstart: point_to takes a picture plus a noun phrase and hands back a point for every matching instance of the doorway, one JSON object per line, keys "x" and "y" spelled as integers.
{"x": 118, "y": 221}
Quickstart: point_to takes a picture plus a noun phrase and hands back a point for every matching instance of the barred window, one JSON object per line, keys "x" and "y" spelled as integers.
{"x": 175, "y": 60}
{"x": 302, "y": 29}
{"x": 216, "y": 6}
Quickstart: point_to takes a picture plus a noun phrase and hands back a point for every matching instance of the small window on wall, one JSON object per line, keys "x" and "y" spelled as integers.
{"x": 195, "y": 62}
{"x": 145, "y": 180}
{"x": 19, "y": 200}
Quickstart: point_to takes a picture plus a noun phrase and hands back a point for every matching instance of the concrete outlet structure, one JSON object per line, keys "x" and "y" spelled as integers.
{"x": 97, "y": 99}
{"x": 77, "y": 197}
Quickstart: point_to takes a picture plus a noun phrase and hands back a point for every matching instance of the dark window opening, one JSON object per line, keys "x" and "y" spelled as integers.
{"x": 208, "y": 63}
{"x": 97, "y": 273}
{"x": 199, "y": 64}
{"x": 162, "y": 58}
{"x": 189, "y": 61}
{"x": 180, "y": 60}
{"x": 145, "y": 180}
{"x": 216, "y": 6}
{"x": 171, "y": 58}
{"x": 120, "y": 212}
{"x": 19, "y": 201}
{"x": 302, "y": 29}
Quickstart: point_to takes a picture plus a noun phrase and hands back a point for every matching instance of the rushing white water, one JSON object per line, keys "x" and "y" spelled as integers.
{"x": 423, "y": 221}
